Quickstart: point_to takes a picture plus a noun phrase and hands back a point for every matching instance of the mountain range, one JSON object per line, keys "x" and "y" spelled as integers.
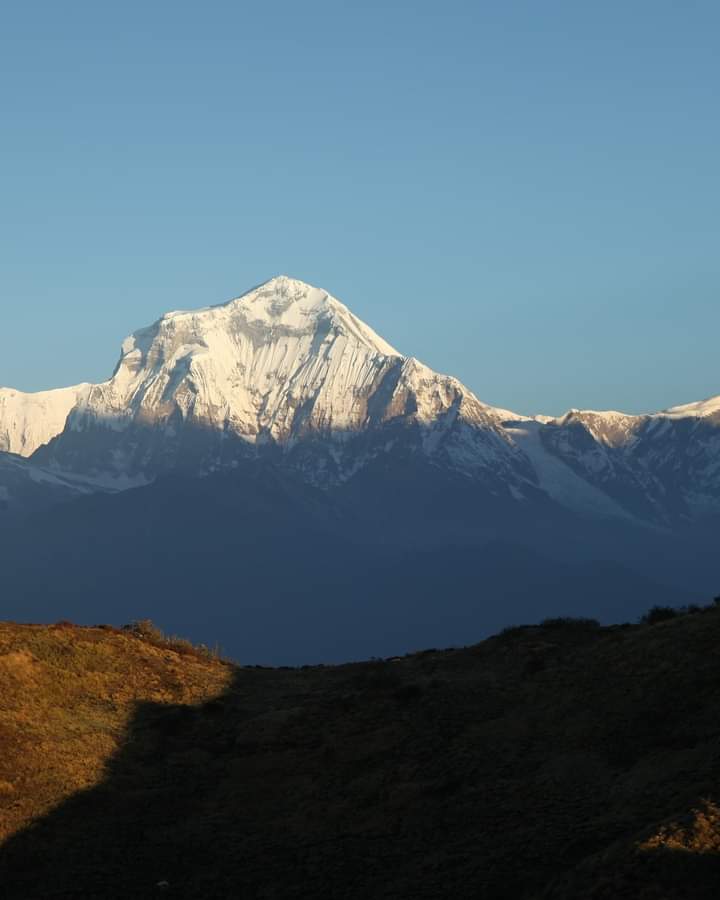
{"x": 276, "y": 444}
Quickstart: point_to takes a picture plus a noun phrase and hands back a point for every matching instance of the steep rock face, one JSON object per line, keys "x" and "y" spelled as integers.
{"x": 27, "y": 421}
{"x": 284, "y": 369}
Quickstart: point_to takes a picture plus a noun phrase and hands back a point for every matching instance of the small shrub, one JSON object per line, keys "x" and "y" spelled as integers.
{"x": 659, "y": 614}
{"x": 570, "y": 622}
{"x": 511, "y": 631}
{"x": 182, "y": 646}
{"x": 145, "y": 629}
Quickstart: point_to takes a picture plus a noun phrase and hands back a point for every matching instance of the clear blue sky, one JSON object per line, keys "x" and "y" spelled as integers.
{"x": 525, "y": 195}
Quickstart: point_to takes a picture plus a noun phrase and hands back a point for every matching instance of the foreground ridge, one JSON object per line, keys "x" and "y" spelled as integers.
{"x": 560, "y": 761}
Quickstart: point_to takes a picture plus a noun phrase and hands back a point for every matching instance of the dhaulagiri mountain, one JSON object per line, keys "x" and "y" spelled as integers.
{"x": 558, "y": 761}
{"x": 287, "y": 368}
{"x": 272, "y": 469}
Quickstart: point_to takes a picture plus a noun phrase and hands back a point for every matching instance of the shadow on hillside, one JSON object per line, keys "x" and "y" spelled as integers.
{"x": 156, "y": 817}
{"x": 643, "y": 875}
{"x": 378, "y": 780}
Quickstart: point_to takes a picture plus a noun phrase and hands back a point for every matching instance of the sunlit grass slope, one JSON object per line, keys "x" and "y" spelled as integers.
{"x": 67, "y": 696}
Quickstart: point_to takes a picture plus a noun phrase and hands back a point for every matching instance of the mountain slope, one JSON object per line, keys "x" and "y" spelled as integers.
{"x": 548, "y": 761}
{"x": 26, "y": 488}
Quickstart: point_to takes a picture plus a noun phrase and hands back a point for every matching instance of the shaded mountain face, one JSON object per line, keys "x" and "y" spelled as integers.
{"x": 287, "y": 373}
{"x": 26, "y": 488}
{"x": 281, "y": 572}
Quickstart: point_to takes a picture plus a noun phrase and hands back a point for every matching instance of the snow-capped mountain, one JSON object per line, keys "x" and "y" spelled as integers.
{"x": 663, "y": 467}
{"x": 27, "y": 421}
{"x": 284, "y": 369}
{"x": 287, "y": 372}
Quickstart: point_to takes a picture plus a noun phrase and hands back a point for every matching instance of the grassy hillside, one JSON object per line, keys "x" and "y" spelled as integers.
{"x": 67, "y": 699}
{"x": 558, "y": 761}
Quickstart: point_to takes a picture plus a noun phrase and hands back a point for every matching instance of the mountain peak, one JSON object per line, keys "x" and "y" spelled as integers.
{"x": 285, "y": 301}
{"x": 284, "y": 282}
{"x": 280, "y": 364}
{"x": 292, "y": 289}
{"x": 281, "y": 305}
{"x": 28, "y": 420}
{"x": 701, "y": 409}
{"x": 288, "y": 303}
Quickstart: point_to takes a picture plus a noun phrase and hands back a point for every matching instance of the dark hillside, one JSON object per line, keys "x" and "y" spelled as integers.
{"x": 558, "y": 761}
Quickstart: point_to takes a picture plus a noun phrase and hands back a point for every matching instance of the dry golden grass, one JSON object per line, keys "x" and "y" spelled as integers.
{"x": 700, "y": 835}
{"x": 67, "y": 696}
